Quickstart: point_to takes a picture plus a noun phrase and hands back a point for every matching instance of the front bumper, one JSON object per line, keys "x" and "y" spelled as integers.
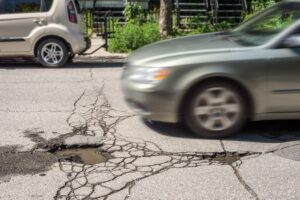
{"x": 153, "y": 105}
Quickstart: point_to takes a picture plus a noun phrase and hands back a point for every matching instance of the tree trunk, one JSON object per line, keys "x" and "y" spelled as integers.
{"x": 165, "y": 21}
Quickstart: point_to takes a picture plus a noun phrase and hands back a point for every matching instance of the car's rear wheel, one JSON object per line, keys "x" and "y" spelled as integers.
{"x": 52, "y": 53}
{"x": 215, "y": 110}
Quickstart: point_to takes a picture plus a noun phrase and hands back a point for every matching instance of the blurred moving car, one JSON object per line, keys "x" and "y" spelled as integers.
{"x": 216, "y": 82}
{"x": 51, "y": 30}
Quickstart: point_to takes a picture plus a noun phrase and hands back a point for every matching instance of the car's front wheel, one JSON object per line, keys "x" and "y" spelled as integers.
{"x": 215, "y": 110}
{"x": 52, "y": 53}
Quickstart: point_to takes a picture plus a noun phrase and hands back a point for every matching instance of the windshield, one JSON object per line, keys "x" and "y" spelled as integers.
{"x": 266, "y": 26}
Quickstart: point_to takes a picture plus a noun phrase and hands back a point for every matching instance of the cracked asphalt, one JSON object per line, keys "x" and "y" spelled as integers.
{"x": 81, "y": 106}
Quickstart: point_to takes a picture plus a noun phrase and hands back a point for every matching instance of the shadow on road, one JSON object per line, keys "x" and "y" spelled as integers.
{"x": 264, "y": 131}
{"x": 23, "y": 63}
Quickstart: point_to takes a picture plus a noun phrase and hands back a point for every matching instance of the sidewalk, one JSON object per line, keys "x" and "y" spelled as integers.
{"x": 101, "y": 55}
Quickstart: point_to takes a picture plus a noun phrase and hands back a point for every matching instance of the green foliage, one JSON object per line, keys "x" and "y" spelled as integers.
{"x": 141, "y": 29}
{"x": 152, "y": 16}
{"x": 203, "y": 28}
{"x": 200, "y": 24}
{"x": 151, "y": 32}
{"x": 89, "y": 22}
{"x": 134, "y": 13}
{"x": 258, "y": 6}
{"x": 210, "y": 27}
{"x": 133, "y": 36}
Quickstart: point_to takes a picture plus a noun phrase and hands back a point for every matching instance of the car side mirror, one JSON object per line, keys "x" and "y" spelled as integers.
{"x": 292, "y": 42}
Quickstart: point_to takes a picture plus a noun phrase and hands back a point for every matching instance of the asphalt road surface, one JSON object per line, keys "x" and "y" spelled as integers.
{"x": 81, "y": 108}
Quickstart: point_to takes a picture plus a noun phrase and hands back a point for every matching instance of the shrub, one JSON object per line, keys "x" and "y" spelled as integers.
{"x": 133, "y": 36}
{"x": 135, "y": 13}
{"x": 141, "y": 29}
{"x": 151, "y": 32}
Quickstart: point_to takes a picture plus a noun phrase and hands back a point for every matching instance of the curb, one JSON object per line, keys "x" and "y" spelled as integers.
{"x": 107, "y": 59}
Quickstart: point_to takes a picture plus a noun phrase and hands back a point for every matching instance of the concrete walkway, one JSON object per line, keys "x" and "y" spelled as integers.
{"x": 102, "y": 55}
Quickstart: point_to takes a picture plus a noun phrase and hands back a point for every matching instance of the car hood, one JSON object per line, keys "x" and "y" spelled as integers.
{"x": 183, "y": 46}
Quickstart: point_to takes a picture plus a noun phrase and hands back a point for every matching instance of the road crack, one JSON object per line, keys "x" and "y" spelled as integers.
{"x": 235, "y": 167}
{"x": 130, "y": 159}
{"x": 282, "y": 148}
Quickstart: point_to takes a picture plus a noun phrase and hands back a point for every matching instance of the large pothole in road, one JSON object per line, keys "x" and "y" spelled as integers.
{"x": 77, "y": 148}
{"x": 89, "y": 156}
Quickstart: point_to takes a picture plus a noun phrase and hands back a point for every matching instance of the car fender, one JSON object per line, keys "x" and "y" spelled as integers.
{"x": 56, "y": 30}
{"x": 197, "y": 75}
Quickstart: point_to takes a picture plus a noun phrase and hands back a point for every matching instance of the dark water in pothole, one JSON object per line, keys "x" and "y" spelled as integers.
{"x": 89, "y": 156}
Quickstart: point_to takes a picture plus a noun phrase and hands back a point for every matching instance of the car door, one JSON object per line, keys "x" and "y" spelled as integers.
{"x": 18, "y": 21}
{"x": 284, "y": 80}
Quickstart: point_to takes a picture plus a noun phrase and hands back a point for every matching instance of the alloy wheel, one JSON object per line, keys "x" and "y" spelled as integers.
{"x": 217, "y": 109}
{"x": 52, "y": 53}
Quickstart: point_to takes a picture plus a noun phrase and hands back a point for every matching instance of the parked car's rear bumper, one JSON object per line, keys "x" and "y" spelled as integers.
{"x": 80, "y": 43}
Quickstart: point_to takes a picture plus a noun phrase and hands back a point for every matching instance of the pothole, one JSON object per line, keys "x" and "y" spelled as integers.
{"x": 230, "y": 157}
{"x": 36, "y": 162}
{"x": 89, "y": 156}
{"x": 71, "y": 148}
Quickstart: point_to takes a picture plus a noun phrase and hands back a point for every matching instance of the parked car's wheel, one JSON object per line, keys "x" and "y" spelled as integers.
{"x": 215, "y": 110}
{"x": 52, "y": 53}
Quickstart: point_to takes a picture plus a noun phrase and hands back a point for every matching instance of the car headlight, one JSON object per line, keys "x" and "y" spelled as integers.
{"x": 149, "y": 75}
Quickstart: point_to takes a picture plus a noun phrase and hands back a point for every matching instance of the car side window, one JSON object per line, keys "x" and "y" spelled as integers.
{"x": 2, "y": 6}
{"x": 19, "y": 6}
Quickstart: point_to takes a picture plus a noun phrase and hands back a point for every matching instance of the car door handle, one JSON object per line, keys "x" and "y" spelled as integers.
{"x": 39, "y": 21}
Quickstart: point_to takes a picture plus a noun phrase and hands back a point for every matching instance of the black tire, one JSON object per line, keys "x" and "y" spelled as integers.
{"x": 61, "y": 46}
{"x": 192, "y": 122}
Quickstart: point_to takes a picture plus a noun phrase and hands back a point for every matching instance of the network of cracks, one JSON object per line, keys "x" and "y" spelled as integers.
{"x": 114, "y": 163}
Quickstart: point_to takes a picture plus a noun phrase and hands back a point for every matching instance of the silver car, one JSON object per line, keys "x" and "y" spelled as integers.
{"x": 217, "y": 82}
{"x": 51, "y": 30}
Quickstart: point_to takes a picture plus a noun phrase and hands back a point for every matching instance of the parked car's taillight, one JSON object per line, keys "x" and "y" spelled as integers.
{"x": 72, "y": 13}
